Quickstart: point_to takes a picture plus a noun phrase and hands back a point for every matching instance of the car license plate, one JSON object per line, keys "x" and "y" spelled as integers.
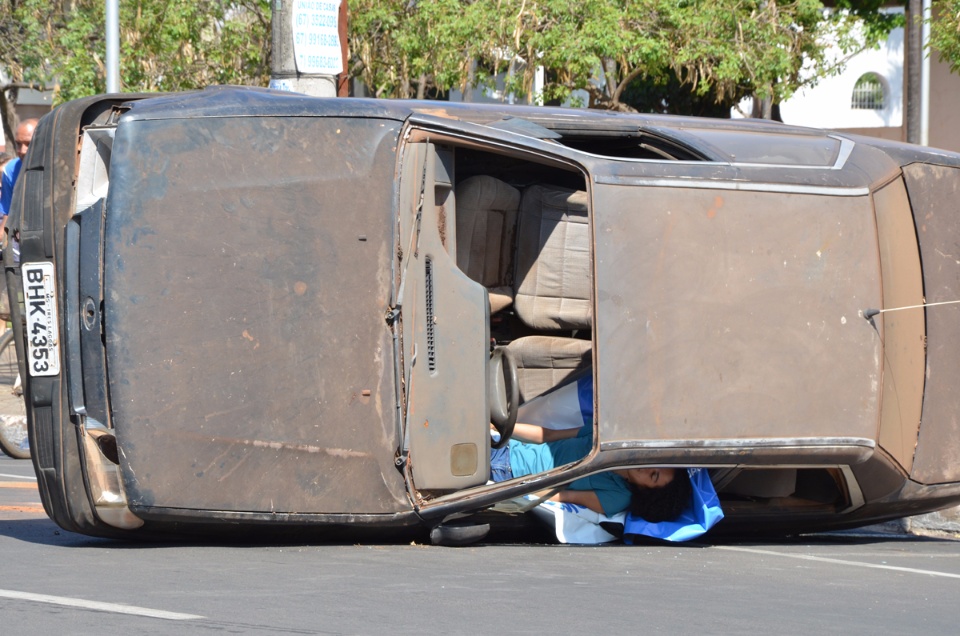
{"x": 43, "y": 332}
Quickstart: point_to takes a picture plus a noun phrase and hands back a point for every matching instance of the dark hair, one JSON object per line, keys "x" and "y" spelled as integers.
{"x": 665, "y": 503}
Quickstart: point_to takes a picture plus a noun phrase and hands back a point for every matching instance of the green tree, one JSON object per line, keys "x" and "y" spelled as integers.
{"x": 406, "y": 48}
{"x": 165, "y": 45}
{"x": 670, "y": 95}
{"x": 945, "y": 32}
{"x": 719, "y": 50}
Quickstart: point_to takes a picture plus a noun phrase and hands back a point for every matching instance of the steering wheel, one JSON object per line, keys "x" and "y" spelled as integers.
{"x": 504, "y": 393}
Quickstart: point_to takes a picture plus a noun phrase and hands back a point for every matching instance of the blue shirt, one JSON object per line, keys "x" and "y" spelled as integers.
{"x": 10, "y": 173}
{"x": 528, "y": 459}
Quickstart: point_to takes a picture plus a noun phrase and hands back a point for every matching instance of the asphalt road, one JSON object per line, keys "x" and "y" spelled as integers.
{"x": 53, "y": 581}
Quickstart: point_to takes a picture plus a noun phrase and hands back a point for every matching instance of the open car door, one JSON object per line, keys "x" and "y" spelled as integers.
{"x": 445, "y": 335}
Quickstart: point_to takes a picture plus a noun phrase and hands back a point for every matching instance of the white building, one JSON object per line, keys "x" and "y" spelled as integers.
{"x": 869, "y": 97}
{"x": 869, "y": 93}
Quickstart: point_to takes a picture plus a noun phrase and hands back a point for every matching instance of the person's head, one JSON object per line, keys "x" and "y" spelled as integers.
{"x": 659, "y": 494}
{"x": 23, "y": 136}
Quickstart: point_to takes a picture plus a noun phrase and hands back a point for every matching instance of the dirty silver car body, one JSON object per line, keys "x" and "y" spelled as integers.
{"x": 249, "y": 307}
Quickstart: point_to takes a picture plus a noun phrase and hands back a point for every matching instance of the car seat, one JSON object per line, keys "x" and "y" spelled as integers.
{"x": 552, "y": 283}
{"x": 486, "y": 225}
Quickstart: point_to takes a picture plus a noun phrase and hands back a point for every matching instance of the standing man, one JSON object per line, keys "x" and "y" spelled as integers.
{"x": 11, "y": 171}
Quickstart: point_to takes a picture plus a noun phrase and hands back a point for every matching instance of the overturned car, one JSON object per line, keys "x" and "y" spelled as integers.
{"x": 249, "y": 307}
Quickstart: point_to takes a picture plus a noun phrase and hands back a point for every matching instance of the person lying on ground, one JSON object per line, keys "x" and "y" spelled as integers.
{"x": 655, "y": 494}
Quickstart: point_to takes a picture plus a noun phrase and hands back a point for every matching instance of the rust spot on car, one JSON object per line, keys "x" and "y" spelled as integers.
{"x": 442, "y": 224}
{"x": 436, "y": 112}
{"x": 343, "y": 453}
{"x": 717, "y": 204}
{"x": 247, "y": 336}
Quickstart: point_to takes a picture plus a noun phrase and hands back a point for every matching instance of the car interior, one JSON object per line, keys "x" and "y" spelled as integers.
{"x": 522, "y": 233}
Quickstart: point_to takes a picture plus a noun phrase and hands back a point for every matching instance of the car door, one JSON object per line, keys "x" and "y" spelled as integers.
{"x": 446, "y": 344}
{"x": 445, "y": 336}
{"x": 730, "y": 312}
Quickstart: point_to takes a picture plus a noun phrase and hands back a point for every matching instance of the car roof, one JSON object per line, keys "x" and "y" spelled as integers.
{"x": 238, "y": 101}
{"x": 706, "y": 137}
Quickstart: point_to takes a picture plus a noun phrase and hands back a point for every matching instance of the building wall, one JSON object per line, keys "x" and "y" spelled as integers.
{"x": 828, "y": 104}
{"x": 30, "y": 111}
{"x": 30, "y": 104}
{"x": 944, "y": 106}
{"x": 944, "y": 124}
{"x": 893, "y": 134}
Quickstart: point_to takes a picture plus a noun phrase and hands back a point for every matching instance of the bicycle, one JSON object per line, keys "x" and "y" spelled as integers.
{"x": 13, "y": 411}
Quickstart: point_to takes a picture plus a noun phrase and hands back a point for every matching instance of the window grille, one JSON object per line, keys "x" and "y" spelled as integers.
{"x": 868, "y": 93}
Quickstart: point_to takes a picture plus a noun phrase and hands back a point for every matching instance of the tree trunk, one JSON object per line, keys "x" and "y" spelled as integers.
{"x": 405, "y": 89}
{"x": 610, "y": 77}
{"x": 8, "y": 112}
{"x": 471, "y": 79}
{"x": 422, "y": 87}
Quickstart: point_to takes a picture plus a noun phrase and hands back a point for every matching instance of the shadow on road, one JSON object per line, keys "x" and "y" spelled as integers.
{"x": 43, "y": 531}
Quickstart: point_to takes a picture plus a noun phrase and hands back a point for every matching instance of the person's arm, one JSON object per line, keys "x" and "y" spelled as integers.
{"x": 6, "y": 189}
{"x": 586, "y": 498}
{"x": 539, "y": 434}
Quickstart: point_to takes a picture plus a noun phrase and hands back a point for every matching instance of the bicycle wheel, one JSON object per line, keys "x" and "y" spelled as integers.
{"x": 13, "y": 413}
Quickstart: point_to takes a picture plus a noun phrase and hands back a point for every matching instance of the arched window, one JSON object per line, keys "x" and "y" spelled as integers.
{"x": 869, "y": 93}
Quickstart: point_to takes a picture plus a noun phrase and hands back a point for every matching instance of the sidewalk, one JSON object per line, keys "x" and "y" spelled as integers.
{"x": 940, "y": 522}
{"x": 10, "y": 403}
{"x": 12, "y": 414}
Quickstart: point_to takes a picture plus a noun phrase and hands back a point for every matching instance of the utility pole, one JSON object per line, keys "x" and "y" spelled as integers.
{"x": 918, "y": 72}
{"x": 914, "y": 70}
{"x": 310, "y": 47}
{"x": 925, "y": 76}
{"x": 113, "y": 45}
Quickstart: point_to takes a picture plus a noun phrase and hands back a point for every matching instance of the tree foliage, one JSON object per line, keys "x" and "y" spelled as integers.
{"x": 721, "y": 49}
{"x": 618, "y": 54}
{"x": 877, "y": 24}
{"x": 165, "y": 45}
{"x": 945, "y": 33}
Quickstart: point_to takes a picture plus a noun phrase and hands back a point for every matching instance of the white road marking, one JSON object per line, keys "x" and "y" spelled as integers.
{"x": 116, "y": 608}
{"x": 859, "y": 564}
{"x": 18, "y": 476}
